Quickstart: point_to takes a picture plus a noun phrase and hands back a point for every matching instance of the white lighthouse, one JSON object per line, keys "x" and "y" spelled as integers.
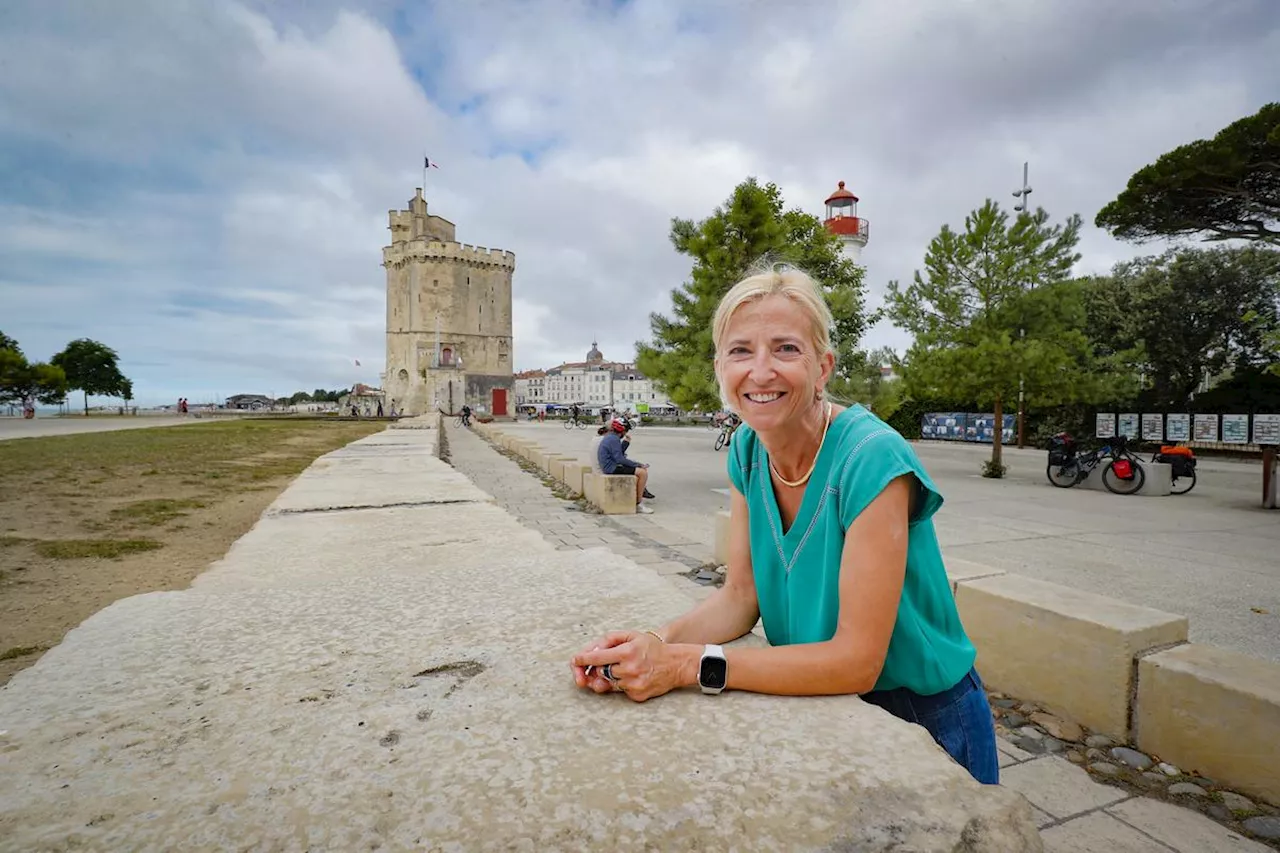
{"x": 843, "y": 221}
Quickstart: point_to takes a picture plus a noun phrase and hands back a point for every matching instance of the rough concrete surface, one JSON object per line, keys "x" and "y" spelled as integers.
{"x": 397, "y": 677}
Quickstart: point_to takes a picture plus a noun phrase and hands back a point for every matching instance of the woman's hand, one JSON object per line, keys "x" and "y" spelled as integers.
{"x": 642, "y": 666}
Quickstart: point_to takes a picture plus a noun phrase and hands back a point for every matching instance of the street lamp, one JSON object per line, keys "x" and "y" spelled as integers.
{"x": 1023, "y": 206}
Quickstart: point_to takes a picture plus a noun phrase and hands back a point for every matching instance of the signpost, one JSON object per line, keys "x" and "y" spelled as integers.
{"x": 1266, "y": 432}
{"x": 1206, "y": 428}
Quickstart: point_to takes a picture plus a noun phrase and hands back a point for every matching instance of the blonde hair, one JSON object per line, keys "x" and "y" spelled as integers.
{"x": 777, "y": 279}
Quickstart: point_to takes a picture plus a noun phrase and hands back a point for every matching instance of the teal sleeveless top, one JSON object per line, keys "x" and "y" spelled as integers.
{"x": 797, "y": 573}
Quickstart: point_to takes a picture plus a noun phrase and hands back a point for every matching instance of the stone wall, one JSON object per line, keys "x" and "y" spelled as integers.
{"x": 366, "y": 670}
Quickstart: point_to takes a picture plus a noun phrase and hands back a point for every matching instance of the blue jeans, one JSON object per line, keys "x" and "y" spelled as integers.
{"x": 958, "y": 718}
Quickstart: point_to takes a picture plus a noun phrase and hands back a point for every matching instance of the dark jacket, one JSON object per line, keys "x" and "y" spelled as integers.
{"x": 611, "y": 453}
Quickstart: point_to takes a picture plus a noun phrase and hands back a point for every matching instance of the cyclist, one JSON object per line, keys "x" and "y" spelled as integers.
{"x": 575, "y": 414}
{"x": 730, "y": 425}
{"x": 466, "y": 416}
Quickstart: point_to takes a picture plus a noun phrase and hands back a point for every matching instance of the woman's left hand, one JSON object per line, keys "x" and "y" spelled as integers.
{"x": 642, "y": 666}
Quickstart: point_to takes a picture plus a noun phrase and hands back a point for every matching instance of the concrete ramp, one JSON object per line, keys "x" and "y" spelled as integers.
{"x": 382, "y": 663}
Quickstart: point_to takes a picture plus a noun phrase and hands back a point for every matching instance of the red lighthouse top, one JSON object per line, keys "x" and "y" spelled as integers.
{"x": 840, "y": 193}
{"x": 842, "y": 215}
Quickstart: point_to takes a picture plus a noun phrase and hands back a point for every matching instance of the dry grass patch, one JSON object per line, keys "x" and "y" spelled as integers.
{"x": 95, "y": 517}
{"x": 105, "y": 549}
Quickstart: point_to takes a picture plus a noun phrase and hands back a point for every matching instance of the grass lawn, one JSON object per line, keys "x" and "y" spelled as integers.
{"x": 90, "y": 518}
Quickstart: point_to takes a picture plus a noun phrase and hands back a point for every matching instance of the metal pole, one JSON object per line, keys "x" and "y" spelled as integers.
{"x": 1023, "y": 206}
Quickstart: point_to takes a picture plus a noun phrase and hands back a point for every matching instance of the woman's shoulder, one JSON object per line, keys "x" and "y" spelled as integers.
{"x": 857, "y": 431}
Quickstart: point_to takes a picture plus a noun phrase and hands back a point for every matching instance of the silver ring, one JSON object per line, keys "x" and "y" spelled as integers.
{"x": 607, "y": 672}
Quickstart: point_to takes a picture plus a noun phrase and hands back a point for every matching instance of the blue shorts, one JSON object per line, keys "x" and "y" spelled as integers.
{"x": 959, "y": 719}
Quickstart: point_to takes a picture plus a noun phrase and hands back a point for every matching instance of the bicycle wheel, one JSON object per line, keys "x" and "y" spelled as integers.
{"x": 1119, "y": 485}
{"x": 720, "y": 440}
{"x": 568, "y": 424}
{"x": 581, "y": 424}
{"x": 1182, "y": 485}
{"x": 1063, "y": 476}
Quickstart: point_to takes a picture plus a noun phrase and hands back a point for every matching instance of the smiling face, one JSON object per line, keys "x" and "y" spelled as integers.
{"x": 768, "y": 365}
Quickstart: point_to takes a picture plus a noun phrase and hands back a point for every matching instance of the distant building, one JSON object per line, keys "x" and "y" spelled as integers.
{"x": 595, "y": 384}
{"x": 249, "y": 401}
{"x": 365, "y": 398}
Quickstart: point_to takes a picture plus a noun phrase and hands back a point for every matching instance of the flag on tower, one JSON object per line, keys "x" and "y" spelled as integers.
{"x": 427, "y": 164}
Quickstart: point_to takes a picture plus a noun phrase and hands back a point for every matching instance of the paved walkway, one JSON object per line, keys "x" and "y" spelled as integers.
{"x": 564, "y": 524}
{"x": 40, "y": 427}
{"x": 1075, "y": 813}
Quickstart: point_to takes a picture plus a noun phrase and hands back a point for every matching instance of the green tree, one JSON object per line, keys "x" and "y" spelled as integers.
{"x": 299, "y": 397}
{"x": 749, "y": 227}
{"x": 1224, "y": 188}
{"x": 9, "y": 343}
{"x": 20, "y": 379}
{"x": 1188, "y": 315}
{"x": 92, "y": 368}
{"x": 993, "y": 307}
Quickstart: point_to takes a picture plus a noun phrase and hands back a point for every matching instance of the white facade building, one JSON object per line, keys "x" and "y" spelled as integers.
{"x": 594, "y": 384}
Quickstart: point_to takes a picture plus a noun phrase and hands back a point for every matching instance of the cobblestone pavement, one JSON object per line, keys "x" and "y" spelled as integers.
{"x": 1075, "y": 813}
{"x": 564, "y": 524}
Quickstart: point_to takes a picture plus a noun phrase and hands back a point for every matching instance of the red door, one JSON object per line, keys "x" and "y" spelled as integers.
{"x": 499, "y": 402}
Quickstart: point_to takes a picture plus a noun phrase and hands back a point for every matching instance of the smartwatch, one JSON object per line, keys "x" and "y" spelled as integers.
{"x": 713, "y": 670}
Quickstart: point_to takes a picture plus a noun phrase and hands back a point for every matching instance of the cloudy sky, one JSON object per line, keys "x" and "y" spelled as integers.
{"x": 203, "y": 184}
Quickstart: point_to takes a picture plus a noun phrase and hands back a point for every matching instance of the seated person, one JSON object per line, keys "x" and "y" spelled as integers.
{"x": 612, "y": 456}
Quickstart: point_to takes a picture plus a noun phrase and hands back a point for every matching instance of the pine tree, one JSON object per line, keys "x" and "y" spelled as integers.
{"x": 749, "y": 227}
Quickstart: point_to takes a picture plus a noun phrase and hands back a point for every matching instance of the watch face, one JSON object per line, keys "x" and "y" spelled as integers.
{"x": 714, "y": 673}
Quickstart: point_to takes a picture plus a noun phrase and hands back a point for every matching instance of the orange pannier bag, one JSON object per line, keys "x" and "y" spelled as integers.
{"x": 1173, "y": 450}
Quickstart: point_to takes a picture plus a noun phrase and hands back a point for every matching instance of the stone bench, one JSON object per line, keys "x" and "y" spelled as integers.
{"x": 614, "y": 494}
{"x": 1069, "y": 650}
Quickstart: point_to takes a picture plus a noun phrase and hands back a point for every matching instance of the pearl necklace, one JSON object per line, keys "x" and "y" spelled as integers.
{"x": 808, "y": 473}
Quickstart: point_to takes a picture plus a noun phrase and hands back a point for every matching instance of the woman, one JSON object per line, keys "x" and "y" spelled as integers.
{"x": 831, "y": 543}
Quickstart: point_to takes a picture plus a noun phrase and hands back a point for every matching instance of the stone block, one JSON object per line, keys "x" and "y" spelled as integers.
{"x": 555, "y": 468}
{"x": 344, "y": 709}
{"x": 1213, "y": 710}
{"x": 1069, "y": 650}
{"x": 537, "y": 457}
{"x": 720, "y": 536}
{"x": 574, "y": 472}
{"x": 1157, "y": 483}
{"x": 615, "y": 493}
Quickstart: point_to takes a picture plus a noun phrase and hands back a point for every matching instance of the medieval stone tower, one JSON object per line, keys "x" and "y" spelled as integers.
{"x": 448, "y": 318}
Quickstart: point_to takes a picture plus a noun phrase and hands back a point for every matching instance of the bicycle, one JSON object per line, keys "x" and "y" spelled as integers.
{"x": 572, "y": 421}
{"x": 1182, "y": 467}
{"x": 1123, "y": 475}
{"x": 727, "y": 427}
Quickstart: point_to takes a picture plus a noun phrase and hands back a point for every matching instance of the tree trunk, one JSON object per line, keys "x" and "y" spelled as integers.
{"x": 86, "y": 404}
{"x": 997, "y": 438}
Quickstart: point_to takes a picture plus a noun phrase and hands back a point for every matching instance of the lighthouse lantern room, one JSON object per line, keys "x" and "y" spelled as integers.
{"x": 843, "y": 221}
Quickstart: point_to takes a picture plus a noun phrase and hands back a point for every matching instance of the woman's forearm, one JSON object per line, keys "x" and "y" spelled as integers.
{"x": 807, "y": 669}
{"x": 722, "y": 617}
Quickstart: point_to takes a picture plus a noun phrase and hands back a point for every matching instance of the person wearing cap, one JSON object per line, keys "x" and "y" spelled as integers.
{"x": 612, "y": 456}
